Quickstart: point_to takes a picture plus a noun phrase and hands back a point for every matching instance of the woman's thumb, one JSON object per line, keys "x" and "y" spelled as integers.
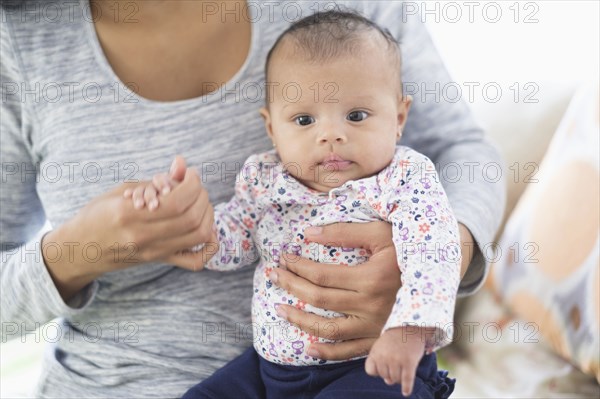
{"x": 178, "y": 167}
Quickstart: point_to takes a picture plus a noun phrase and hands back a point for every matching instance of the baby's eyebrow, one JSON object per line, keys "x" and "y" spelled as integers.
{"x": 364, "y": 97}
{"x": 297, "y": 104}
{"x": 292, "y": 104}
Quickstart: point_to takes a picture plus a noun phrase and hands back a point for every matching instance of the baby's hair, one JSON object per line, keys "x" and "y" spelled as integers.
{"x": 326, "y": 35}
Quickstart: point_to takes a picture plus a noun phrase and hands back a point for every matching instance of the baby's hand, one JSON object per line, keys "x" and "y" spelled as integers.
{"x": 395, "y": 356}
{"x": 147, "y": 194}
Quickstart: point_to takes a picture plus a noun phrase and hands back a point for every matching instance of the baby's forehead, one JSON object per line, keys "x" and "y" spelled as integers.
{"x": 362, "y": 44}
{"x": 366, "y": 49}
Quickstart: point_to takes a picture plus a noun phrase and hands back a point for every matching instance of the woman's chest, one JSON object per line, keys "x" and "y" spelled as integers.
{"x": 84, "y": 151}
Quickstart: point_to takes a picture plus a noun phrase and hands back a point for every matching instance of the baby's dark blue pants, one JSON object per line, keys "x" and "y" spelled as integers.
{"x": 252, "y": 377}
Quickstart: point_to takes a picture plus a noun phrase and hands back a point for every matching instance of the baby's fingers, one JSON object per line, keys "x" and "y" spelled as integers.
{"x": 378, "y": 368}
{"x": 408, "y": 380}
{"x": 395, "y": 374}
{"x": 161, "y": 183}
{"x": 384, "y": 372}
{"x": 138, "y": 197}
{"x": 371, "y": 367}
{"x": 151, "y": 197}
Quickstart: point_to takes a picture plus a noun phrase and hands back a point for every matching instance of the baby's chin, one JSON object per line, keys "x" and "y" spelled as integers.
{"x": 324, "y": 179}
{"x": 326, "y": 185}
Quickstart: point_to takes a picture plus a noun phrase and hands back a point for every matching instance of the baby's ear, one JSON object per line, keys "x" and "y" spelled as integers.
{"x": 404, "y": 103}
{"x": 264, "y": 112}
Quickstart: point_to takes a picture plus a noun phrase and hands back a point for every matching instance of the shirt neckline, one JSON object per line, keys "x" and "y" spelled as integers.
{"x": 133, "y": 97}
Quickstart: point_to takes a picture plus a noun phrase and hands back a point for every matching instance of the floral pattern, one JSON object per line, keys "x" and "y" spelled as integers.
{"x": 268, "y": 216}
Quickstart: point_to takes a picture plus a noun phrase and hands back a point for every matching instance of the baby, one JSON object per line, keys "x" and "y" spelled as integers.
{"x": 335, "y": 112}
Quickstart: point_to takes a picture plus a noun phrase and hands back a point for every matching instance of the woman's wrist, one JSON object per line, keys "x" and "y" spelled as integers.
{"x": 467, "y": 244}
{"x": 69, "y": 271}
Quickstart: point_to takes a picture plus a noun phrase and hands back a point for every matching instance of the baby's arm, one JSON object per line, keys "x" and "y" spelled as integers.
{"x": 426, "y": 238}
{"x": 236, "y": 221}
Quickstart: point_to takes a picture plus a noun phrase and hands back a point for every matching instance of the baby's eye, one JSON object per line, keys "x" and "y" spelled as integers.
{"x": 304, "y": 120}
{"x": 357, "y": 116}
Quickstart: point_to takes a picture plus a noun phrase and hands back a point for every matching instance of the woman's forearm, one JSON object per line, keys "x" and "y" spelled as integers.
{"x": 69, "y": 272}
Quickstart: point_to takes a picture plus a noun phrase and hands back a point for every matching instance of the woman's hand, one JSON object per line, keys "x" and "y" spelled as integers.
{"x": 467, "y": 246}
{"x": 110, "y": 234}
{"x": 365, "y": 293}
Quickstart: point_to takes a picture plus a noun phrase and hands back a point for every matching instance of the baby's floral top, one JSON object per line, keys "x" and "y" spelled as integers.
{"x": 268, "y": 216}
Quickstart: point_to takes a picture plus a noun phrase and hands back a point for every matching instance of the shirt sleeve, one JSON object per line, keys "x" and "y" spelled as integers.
{"x": 236, "y": 221}
{"x": 29, "y": 295}
{"x": 443, "y": 128}
{"x": 427, "y": 242}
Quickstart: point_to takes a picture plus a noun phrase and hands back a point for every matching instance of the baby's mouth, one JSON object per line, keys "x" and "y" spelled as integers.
{"x": 335, "y": 162}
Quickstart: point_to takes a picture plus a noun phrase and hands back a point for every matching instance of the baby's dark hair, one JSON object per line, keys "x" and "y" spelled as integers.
{"x": 325, "y": 35}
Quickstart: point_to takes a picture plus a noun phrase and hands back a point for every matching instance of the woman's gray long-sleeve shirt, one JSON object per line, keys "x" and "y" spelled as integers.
{"x": 71, "y": 130}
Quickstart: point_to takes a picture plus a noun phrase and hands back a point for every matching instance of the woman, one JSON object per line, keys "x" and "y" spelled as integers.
{"x": 135, "y": 320}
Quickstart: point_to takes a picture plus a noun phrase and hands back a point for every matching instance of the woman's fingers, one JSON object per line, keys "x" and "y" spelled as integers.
{"x": 343, "y": 350}
{"x": 181, "y": 243}
{"x": 178, "y": 201}
{"x": 352, "y": 235}
{"x": 324, "y": 298}
{"x": 195, "y": 261}
{"x": 383, "y": 268}
{"x": 184, "y": 195}
{"x": 194, "y": 227}
{"x": 141, "y": 236}
{"x": 337, "y": 328}
{"x": 367, "y": 290}
{"x": 155, "y": 234}
{"x": 322, "y": 274}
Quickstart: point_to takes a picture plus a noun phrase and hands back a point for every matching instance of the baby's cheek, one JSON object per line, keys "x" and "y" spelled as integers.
{"x": 290, "y": 154}
{"x": 375, "y": 165}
